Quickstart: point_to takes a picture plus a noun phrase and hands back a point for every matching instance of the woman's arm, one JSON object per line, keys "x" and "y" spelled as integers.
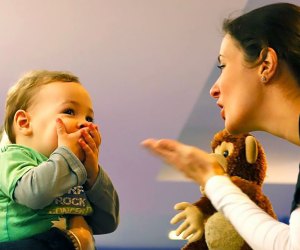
{"x": 260, "y": 230}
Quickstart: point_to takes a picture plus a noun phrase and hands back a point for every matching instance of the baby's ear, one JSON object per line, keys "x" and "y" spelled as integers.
{"x": 22, "y": 123}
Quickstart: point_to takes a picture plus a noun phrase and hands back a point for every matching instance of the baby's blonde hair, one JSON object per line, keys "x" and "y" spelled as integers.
{"x": 20, "y": 95}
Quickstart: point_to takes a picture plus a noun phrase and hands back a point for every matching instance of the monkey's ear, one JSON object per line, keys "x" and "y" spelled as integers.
{"x": 251, "y": 149}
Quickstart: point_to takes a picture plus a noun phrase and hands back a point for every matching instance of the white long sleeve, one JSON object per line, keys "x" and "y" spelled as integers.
{"x": 260, "y": 231}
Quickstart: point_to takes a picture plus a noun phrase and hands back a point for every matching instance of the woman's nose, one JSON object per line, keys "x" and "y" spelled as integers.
{"x": 215, "y": 91}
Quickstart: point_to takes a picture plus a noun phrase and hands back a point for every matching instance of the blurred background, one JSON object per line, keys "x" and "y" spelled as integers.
{"x": 149, "y": 65}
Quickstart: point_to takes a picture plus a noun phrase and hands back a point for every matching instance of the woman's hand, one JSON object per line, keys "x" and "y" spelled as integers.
{"x": 193, "y": 162}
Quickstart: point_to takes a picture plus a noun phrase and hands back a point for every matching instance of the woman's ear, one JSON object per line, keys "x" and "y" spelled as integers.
{"x": 22, "y": 123}
{"x": 268, "y": 67}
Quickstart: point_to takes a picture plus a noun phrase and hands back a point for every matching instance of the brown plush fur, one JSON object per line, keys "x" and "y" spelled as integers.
{"x": 248, "y": 177}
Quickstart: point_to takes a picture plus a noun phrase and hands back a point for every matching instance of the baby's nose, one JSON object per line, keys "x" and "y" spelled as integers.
{"x": 82, "y": 125}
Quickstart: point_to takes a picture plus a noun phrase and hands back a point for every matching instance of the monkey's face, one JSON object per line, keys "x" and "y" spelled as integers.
{"x": 235, "y": 149}
{"x": 225, "y": 149}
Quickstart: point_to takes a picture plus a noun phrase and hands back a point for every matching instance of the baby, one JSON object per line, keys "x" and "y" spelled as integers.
{"x": 50, "y": 177}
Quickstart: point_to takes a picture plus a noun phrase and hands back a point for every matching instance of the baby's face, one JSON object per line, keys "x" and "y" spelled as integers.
{"x": 66, "y": 100}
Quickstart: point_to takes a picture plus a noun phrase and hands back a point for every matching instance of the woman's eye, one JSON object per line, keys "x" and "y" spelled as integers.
{"x": 225, "y": 153}
{"x": 69, "y": 112}
{"x": 221, "y": 66}
{"x": 89, "y": 119}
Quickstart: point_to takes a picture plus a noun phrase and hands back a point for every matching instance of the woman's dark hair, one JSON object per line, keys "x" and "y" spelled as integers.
{"x": 276, "y": 26}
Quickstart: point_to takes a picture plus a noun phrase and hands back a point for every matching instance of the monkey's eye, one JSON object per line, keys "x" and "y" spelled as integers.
{"x": 225, "y": 153}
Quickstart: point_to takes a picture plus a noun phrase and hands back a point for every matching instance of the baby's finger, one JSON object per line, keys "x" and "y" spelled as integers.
{"x": 94, "y": 132}
{"x": 85, "y": 147}
{"x": 60, "y": 127}
{"x": 89, "y": 140}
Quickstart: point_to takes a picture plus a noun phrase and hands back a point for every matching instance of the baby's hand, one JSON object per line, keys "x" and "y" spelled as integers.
{"x": 90, "y": 142}
{"x": 69, "y": 140}
{"x": 192, "y": 226}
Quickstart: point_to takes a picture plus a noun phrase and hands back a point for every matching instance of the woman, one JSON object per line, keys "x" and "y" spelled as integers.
{"x": 259, "y": 58}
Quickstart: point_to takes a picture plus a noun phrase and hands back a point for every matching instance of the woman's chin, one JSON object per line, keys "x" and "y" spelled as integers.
{"x": 235, "y": 130}
{"x": 232, "y": 128}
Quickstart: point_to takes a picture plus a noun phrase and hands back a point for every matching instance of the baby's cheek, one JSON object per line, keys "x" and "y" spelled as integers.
{"x": 54, "y": 140}
{"x": 70, "y": 126}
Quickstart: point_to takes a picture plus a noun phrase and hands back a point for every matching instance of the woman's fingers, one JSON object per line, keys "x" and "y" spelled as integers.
{"x": 193, "y": 162}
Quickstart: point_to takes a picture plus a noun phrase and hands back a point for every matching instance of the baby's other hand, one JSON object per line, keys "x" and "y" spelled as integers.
{"x": 90, "y": 141}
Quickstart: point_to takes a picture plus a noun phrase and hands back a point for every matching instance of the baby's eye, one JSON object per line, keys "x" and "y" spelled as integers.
{"x": 225, "y": 153}
{"x": 69, "y": 112}
{"x": 89, "y": 119}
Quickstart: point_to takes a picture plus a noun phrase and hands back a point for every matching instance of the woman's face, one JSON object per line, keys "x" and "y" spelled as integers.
{"x": 237, "y": 89}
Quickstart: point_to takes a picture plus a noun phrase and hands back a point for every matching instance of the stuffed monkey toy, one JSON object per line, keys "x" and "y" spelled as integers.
{"x": 245, "y": 163}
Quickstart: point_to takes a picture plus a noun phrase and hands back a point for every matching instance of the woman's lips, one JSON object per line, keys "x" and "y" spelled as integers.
{"x": 222, "y": 112}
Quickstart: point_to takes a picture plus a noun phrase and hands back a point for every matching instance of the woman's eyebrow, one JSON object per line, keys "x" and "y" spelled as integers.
{"x": 219, "y": 58}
